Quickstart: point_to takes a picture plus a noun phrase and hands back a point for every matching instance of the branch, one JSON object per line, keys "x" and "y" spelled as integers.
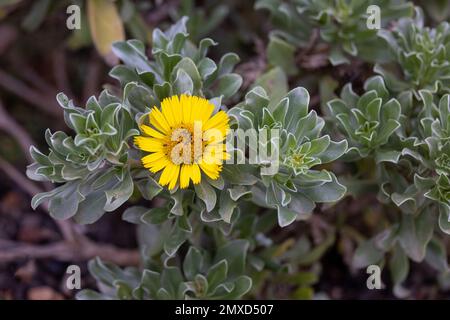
{"x": 29, "y": 95}
{"x": 9, "y": 125}
{"x": 68, "y": 251}
{"x": 93, "y": 77}
{"x": 30, "y": 188}
{"x": 14, "y": 174}
{"x": 60, "y": 72}
{"x": 31, "y": 76}
{"x": 75, "y": 245}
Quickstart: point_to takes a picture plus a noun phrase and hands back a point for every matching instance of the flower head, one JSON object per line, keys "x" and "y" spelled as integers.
{"x": 183, "y": 139}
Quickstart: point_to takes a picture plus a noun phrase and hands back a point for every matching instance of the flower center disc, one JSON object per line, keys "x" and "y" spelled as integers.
{"x": 185, "y": 146}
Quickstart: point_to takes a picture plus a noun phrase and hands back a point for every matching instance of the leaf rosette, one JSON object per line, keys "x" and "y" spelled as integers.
{"x": 299, "y": 147}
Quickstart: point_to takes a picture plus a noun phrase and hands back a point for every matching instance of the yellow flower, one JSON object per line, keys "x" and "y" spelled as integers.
{"x": 184, "y": 138}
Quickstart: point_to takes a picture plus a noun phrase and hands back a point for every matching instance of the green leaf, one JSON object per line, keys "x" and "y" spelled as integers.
{"x": 193, "y": 263}
{"x": 415, "y": 233}
{"x": 120, "y": 193}
{"x": 183, "y": 83}
{"x": 337, "y": 57}
{"x": 302, "y": 205}
{"x": 334, "y": 151}
{"x": 227, "y": 63}
{"x": 131, "y": 56}
{"x": 134, "y": 214}
{"x": 204, "y": 46}
{"x": 175, "y": 239}
{"x": 103, "y": 272}
{"x": 148, "y": 187}
{"x": 65, "y": 203}
{"x": 275, "y": 84}
{"x": 298, "y": 107}
{"x": 78, "y": 122}
{"x": 206, "y": 68}
{"x": 92, "y": 208}
{"x": 168, "y": 63}
{"x": 218, "y": 183}
{"x": 150, "y": 282}
{"x": 238, "y": 191}
{"x": 285, "y": 216}
{"x": 201, "y": 285}
{"x": 207, "y": 194}
{"x": 163, "y": 91}
{"x": 328, "y": 192}
{"x": 138, "y": 97}
{"x": 41, "y": 197}
{"x": 155, "y": 215}
{"x": 123, "y": 290}
{"x": 177, "y": 208}
{"x": 228, "y": 85}
{"x": 217, "y": 274}
{"x": 226, "y": 206}
{"x": 190, "y": 68}
{"x": 319, "y": 145}
{"x": 436, "y": 255}
{"x": 444, "y": 218}
{"x": 171, "y": 278}
{"x": 399, "y": 267}
{"x": 280, "y": 53}
{"x": 242, "y": 285}
{"x": 377, "y": 83}
{"x": 387, "y": 156}
{"x": 366, "y": 254}
{"x": 235, "y": 253}
{"x": 39, "y": 157}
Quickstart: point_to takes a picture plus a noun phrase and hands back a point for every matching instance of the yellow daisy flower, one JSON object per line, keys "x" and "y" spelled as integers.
{"x": 183, "y": 139}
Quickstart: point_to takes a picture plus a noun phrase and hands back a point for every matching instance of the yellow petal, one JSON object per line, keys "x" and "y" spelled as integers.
{"x": 196, "y": 175}
{"x": 185, "y": 175}
{"x": 203, "y": 110}
{"x": 152, "y": 132}
{"x": 174, "y": 177}
{"x": 148, "y": 144}
{"x": 158, "y": 120}
{"x": 211, "y": 170}
{"x": 220, "y": 119}
{"x": 153, "y": 157}
{"x": 186, "y": 102}
{"x": 164, "y": 179}
{"x": 166, "y": 110}
{"x": 177, "y": 110}
{"x": 158, "y": 165}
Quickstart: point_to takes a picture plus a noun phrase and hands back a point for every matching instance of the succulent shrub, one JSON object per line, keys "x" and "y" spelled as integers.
{"x": 101, "y": 158}
{"x": 368, "y": 121}
{"x": 420, "y": 56}
{"x": 213, "y": 232}
{"x": 94, "y": 166}
{"x": 199, "y": 276}
{"x": 342, "y": 24}
{"x": 411, "y": 175}
{"x": 107, "y": 161}
{"x": 298, "y": 182}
